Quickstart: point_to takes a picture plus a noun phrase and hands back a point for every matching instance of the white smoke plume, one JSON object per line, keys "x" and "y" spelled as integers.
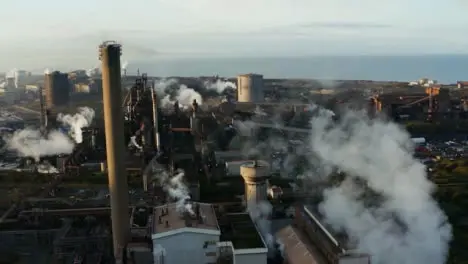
{"x": 46, "y": 168}
{"x": 124, "y": 67}
{"x": 219, "y": 85}
{"x": 173, "y": 185}
{"x": 47, "y": 71}
{"x": 93, "y": 71}
{"x": 134, "y": 143}
{"x": 407, "y": 227}
{"x": 182, "y": 94}
{"x": 13, "y": 74}
{"x": 161, "y": 85}
{"x": 170, "y": 91}
{"x": 260, "y": 214}
{"x": 77, "y": 122}
{"x": 31, "y": 143}
{"x": 274, "y": 147}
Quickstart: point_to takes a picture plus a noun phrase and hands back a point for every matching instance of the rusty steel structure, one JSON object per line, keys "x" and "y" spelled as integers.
{"x": 109, "y": 54}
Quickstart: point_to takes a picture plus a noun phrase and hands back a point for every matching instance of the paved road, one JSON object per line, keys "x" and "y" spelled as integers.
{"x": 27, "y": 110}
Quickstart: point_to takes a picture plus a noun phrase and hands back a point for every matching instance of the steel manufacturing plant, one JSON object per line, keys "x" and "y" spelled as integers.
{"x": 188, "y": 180}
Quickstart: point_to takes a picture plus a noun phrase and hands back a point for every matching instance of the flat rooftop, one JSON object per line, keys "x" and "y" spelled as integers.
{"x": 168, "y": 218}
{"x": 297, "y": 248}
{"x": 240, "y": 230}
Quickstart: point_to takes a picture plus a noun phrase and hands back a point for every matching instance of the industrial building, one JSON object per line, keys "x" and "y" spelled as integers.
{"x": 206, "y": 236}
{"x": 335, "y": 247}
{"x": 56, "y": 89}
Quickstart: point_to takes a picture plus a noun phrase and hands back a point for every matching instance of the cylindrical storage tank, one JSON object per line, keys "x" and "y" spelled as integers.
{"x": 250, "y": 88}
{"x": 57, "y": 89}
{"x": 255, "y": 175}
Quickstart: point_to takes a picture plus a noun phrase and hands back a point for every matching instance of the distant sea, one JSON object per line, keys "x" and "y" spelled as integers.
{"x": 444, "y": 68}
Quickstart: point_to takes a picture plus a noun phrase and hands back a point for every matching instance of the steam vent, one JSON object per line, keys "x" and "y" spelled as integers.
{"x": 255, "y": 174}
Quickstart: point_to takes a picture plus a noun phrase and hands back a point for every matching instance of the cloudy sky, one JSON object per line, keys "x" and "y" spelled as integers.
{"x": 36, "y": 32}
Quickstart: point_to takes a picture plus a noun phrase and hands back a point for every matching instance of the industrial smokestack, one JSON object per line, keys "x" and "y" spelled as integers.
{"x": 43, "y": 109}
{"x": 155, "y": 120}
{"x": 109, "y": 54}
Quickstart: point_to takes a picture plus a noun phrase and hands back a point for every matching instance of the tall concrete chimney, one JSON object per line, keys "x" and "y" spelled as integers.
{"x": 255, "y": 175}
{"x": 155, "y": 120}
{"x": 109, "y": 54}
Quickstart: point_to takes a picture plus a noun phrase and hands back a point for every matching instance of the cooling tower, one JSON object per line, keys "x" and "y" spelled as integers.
{"x": 250, "y": 88}
{"x": 110, "y": 53}
{"x": 255, "y": 174}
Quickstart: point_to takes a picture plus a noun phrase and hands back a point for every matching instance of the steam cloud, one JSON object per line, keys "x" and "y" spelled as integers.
{"x": 402, "y": 223}
{"x": 170, "y": 90}
{"x": 220, "y": 86}
{"x": 46, "y": 168}
{"x": 260, "y": 214}
{"x": 93, "y": 71}
{"x": 31, "y": 143}
{"x": 13, "y": 74}
{"x": 134, "y": 143}
{"x": 124, "y": 67}
{"x": 173, "y": 185}
{"x": 77, "y": 122}
{"x": 377, "y": 152}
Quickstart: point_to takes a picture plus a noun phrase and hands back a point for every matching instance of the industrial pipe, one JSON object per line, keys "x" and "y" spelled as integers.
{"x": 110, "y": 53}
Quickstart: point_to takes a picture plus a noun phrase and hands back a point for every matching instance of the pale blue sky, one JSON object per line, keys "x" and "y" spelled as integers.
{"x": 39, "y": 34}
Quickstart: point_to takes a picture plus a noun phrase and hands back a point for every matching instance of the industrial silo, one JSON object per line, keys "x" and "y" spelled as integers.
{"x": 250, "y": 88}
{"x": 255, "y": 175}
{"x": 57, "y": 89}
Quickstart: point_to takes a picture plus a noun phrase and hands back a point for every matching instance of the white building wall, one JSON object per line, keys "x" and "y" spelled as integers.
{"x": 187, "y": 248}
{"x": 250, "y": 258}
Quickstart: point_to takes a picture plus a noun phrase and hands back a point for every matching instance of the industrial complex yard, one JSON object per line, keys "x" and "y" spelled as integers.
{"x": 110, "y": 168}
